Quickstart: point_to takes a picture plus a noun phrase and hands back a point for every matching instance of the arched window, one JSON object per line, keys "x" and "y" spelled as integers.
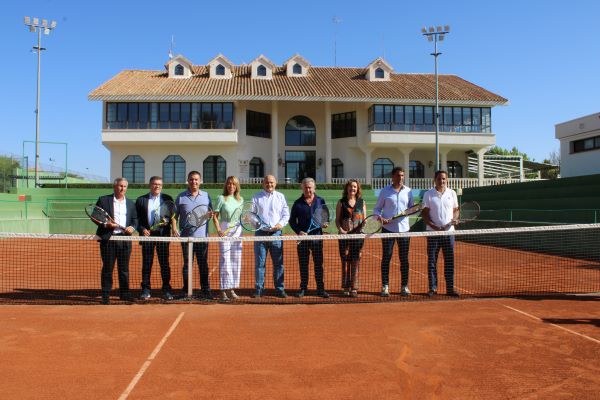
{"x": 455, "y": 169}
{"x": 261, "y": 70}
{"x": 179, "y": 69}
{"x": 257, "y": 168}
{"x": 214, "y": 169}
{"x": 220, "y": 70}
{"x": 174, "y": 169}
{"x": 416, "y": 169}
{"x": 134, "y": 169}
{"x": 379, "y": 74}
{"x": 300, "y": 131}
{"x": 337, "y": 168}
{"x": 382, "y": 168}
{"x": 297, "y": 69}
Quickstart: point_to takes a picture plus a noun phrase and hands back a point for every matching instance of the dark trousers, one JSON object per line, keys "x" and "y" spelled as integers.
{"x": 446, "y": 244}
{"x": 111, "y": 251}
{"x": 162, "y": 251}
{"x": 200, "y": 250}
{"x": 388, "y": 251}
{"x": 305, "y": 247}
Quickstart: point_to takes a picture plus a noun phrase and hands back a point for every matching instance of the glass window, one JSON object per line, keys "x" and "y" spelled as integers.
{"x": 111, "y": 115}
{"x": 409, "y": 117}
{"x": 174, "y": 169}
{"x": 379, "y": 73}
{"x": 300, "y": 165}
{"x": 399, "y": 118}
{"x": 133, "y": 169}
{"x": 416, "y": 169}
{"x": 214, "y": 169}
{"x": 261, "y": 70}
{"x": 257, "y": 168}
{"x": 208, "y": 121}
{"x": 218, "y": 115}
{"x": 300, "y": 131}
{"x": 418, "y": 115}
{"x": 448, "y": 116}
{"x": 220, "y": 70}
{"x": 455, "y": 169}
{"x": 227, "y": 119}
{"x": 297, "y": 69}
{"x": 163, "y": 110}
{"x": 486, "y": 120}
{"x": 154, "y": 115}
{"x": 195, "y": 116}
{"x": 144, "y": 114}
{"x": 337, "y": 168}
{"x": 343, "y": 125}
{"x": 258, "y": 124}
{"x": 466, "y": 116}
{"x": 382, "y": 168}
{"x": 457, "y": 119}
{"x": 179, "y": 69}
{"x": 185, "y": 115}
{"x": 428, "y": 117}
{"x": 122, "y": 114}
{"x": 476, "y": 119}
{"x": 132, "y": 117}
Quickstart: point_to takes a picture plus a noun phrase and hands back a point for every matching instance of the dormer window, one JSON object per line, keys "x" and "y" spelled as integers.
{"x": 220, "y": 70}
{"x": 179, "y": 69}
{"x": 379, "y": 73}
{"x": 261, "y": 70}
{"x": 297, "y": 69}
{"x": 296, "y": 66}
{"x": 378, "y": 70}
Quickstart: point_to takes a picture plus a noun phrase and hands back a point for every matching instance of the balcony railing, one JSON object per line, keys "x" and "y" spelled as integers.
{"x": 169, "y": 125}
{"x": 454, "y": 183}
{"x": 390, "y": 126}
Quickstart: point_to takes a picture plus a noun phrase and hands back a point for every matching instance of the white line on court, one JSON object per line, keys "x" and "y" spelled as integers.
{"x": 554, "y": 325}
{"x": 146, "y": 364}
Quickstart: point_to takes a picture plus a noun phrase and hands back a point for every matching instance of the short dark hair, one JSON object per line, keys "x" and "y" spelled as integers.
{"x": 396, "y": 169}
{"x": 155, "y": 178}
{"x": 194, "y": 173}
{"x": 441, "y": 171}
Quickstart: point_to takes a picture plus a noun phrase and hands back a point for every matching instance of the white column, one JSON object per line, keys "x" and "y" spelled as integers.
{"x": 444, "y": 159}
{"x": 327, "y": 142}
{"x": 368, "y": 165}
{"x": 406, "y": 164}
{"x": 480, "y": 166}
{"x": 274, "y": 139}
{"x": 521, "y": 172}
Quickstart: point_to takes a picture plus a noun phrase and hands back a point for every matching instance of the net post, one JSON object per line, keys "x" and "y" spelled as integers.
{"x": 190, "y": 251}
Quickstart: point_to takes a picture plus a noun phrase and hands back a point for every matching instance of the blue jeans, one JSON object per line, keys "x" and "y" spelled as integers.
{"x": 446, "y": 244}
{"x": 388, "y": 251}
{"x": 260, "y": 260}
{"x": 200, "y": 250}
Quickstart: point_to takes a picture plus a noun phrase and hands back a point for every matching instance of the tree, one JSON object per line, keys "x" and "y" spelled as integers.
{"x": 504, "y": 152}
{"x": 7, "y": 169}
{"x": 554, "y": 159}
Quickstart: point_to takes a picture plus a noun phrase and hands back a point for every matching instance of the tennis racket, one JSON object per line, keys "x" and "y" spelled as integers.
{"x": 468, "y": 212}
{"x": 99, "y": 215}
{"x": 199, "y": 216}
{"x": 251, "y": 221}
{"x": 235, "y": 219}
{"x": 319, "y": 219}
{"x": 373, "y": 223}
{"x": 163, "y": 215}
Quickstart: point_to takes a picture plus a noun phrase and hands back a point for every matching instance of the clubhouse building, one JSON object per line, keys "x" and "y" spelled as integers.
{"x": 292, "y": 120}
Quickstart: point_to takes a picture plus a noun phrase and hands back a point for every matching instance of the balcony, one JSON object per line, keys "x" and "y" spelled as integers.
{"x": 161, "y": 137}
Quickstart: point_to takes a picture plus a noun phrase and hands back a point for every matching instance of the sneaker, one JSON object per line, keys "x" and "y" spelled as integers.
{"x": 385, "y": 291}
{"x": 145, "y": 295}
{"x": 323, "y": 294}
{"x": 257, "y": 294}
{"x": 282, "y": 294}
{"x": 404, "y": 291}
{"x": 346, "y": 292}
{"x": 353, "y": 293}
{"x": 167, "y": 296}
{"x": 105, "y": 300}
{"x": 126, "y": 297}
{"x": 233, "y": 295}
{"x": 206, "y": 295}
{"x": 452, "y": 293}
{"x": 300, "y": 293}
{"x": 431, "y": 292}
{"x": 223, "y": 297}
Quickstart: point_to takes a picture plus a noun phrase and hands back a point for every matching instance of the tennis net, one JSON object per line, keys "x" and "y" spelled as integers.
{"x": 529, "y": 261}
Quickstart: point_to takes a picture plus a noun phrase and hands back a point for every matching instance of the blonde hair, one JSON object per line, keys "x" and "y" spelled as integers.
{"x": 347, "y": 185}
{"x": 236, "y": 182}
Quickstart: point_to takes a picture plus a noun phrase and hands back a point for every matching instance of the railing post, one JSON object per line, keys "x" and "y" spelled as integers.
{"x": 190, "y": 272}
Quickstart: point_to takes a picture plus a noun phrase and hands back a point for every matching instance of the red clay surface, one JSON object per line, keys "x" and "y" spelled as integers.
{"x": 469, "y": 349}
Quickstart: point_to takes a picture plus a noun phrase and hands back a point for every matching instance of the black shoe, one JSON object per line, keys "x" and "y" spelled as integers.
{"x": 282, "y": 294}
{"x": 431, "y": 292}
{"x": 105, "y": 300}
{"x": 300, "y": 293}
{"x": 257, "y": 294}
{"x": 127, "y": 297}
{"x": 206, "y": 295}
{"x": 323, "y": 294}
{"x": 145, "y": 295}
{"x": 452, "y": 293}
{"x": 167, "y": 296}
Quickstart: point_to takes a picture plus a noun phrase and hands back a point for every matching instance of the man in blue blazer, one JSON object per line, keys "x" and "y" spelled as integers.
{"x": 124, "y": 219}
{"x": 146, "y": 207}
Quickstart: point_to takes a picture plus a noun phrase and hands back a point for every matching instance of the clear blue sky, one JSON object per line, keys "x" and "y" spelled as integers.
{"x": 543, "y": 55}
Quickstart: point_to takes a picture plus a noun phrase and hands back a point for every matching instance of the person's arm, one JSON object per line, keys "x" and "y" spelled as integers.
{"x": 378, "y": 209}
{"x": 215, "y": 217}
{"x": 294, "y": 218}
{"x": 338, "y": 217}
{"x": 285, "y": 214}
{"x": 174, "y": 221}
{"x": 139, "y": 208}
{"x": 133, "y": 219}
{"x": 411, "y": 200}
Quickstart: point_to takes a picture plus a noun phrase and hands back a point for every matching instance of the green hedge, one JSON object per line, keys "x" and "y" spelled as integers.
{"x": 183, "y": 186}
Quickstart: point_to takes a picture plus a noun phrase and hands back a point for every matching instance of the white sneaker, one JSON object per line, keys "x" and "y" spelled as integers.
{"x": 385, "y": 291}
{"x": 223, "y": 296}
{"x": 233, "y": 295}
{"x": 405, "y": 291}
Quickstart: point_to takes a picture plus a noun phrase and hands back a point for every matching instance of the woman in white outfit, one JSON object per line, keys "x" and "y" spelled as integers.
{"x": 230, "y": 260}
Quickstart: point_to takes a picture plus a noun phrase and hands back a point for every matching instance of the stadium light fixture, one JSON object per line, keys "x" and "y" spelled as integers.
{"x": 434, "y": 36}
{"x": 45, "y": 28}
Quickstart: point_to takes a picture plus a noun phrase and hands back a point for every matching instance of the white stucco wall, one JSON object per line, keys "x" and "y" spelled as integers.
{"x": 582, "y": 163}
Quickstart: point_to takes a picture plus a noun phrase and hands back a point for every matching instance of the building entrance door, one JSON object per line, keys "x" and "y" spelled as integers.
{"x": 300, "y": 165}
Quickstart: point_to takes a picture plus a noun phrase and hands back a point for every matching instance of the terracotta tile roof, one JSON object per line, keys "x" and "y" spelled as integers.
{"x": 321, "y": 84}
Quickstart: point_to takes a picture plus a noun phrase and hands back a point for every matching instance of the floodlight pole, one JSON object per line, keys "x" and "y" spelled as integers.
{"x": 35, "y": 26}
{"x": 435, "y": 35}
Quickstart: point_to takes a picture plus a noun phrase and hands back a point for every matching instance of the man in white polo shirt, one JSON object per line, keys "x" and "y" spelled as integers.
{"x": 440, "y": 213}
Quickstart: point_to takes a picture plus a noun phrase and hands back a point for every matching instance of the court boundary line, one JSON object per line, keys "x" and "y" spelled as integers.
{"x": 150, "y": 358}
{"x": 550, "y": 323}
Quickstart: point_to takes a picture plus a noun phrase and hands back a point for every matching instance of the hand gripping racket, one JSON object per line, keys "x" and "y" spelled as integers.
{"x": 199, "y": 216}
{"x": 235, "y": 219}
{"x": 163, "y": 215}
{"x": 468, "y": 212}
{"x": 99, "y": 215}
{"x": 319, "y": 219}
{"x": 251, "y": 221}
{"x": 373, "y": 223}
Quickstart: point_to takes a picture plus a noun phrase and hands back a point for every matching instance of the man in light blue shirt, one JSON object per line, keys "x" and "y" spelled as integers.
{"x": 272, "y": 208}
{"x": 186, "y": 202}
{"x": 392, "y": 200}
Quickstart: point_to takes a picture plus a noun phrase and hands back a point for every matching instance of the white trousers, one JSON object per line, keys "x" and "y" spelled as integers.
{"x": 230, "y": 259}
